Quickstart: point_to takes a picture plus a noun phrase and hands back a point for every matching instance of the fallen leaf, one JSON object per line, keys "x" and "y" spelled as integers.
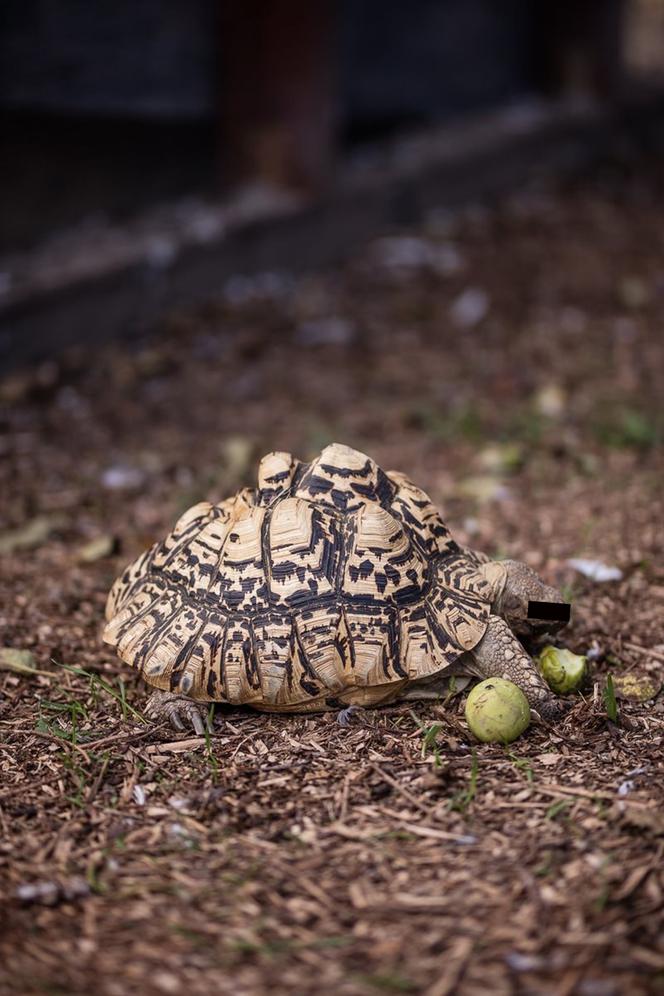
{"x": 635, "y": 687}
{"x": 550, "y": 401}
{"x": 633, "y": 292}
{"x": 19, "y": 661}
{"x": 238, "y": 453}
{"x": 27, "y": 537}
{"x": 501, "y": 458}
{"x": 97, "y": 548}
{"x": 138, "y": 794}
{"x": 643, "y": 817}
{"x": 483, "y": 488}
{"x": 549, "y": 759}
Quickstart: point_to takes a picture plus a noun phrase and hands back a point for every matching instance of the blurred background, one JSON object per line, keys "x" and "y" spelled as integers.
{"x": 432, "y": 230}
{"x": 136, "y": 135}
{"x": 144, "y": 101}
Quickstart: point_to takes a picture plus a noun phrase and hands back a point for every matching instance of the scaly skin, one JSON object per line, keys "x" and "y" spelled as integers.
{"x": 180, "y": 711}
{"x": 500, "y": 655}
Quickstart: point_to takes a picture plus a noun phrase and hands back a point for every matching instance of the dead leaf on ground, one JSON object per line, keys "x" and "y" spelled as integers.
{"x": 27, "y": 537}
{"x": 97, "y": 549}
{"x": 636, "y": 687}
{"x": 20, "y": 662}
{"x": 238, "y": 453}
{"x": 641, "y": 816}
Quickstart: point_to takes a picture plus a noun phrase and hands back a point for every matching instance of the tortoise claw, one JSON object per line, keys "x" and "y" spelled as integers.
{"x": 198, "y": 723}
{"x": 179, "y": 711}
{"x": 175, "y": 721}
{"x": 345, "y": 716}
{"x": 551, "y": 710}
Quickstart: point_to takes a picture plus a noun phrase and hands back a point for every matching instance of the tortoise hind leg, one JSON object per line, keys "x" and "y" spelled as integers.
{"x": 179, "y": 710}
{"x": 500, "y": 655}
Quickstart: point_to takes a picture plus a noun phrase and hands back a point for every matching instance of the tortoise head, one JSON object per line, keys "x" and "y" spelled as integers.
{"x": 528, "y": 605}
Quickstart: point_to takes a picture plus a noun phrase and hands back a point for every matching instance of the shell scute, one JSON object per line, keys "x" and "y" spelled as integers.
{"x": 317, "y": 639}
{"x": 460, "y": 600}
{"x": 372, "y": 635}
{"x": 240, "y": 676}
{"x": 381, "y": 563}
{"x": 275, "y": 475}
{"x": 273, "y": 643}
{"x": 344, "y": 479}
{"x": 332, "y": 583}
{"x": 304, "y": 550}
{"x": 420, "y": 516}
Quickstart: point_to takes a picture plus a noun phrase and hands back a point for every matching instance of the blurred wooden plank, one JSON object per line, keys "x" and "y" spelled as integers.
{"x": 277, "y": 100}
{"x": 492, "y": 154}
{"x": 578, "y": 47}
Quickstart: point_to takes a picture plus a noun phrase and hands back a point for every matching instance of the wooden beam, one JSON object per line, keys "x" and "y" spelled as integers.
{"x": 277, "y": 97}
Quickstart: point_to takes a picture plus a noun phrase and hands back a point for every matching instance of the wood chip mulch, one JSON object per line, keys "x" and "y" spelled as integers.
{"x": 286, "y": 854}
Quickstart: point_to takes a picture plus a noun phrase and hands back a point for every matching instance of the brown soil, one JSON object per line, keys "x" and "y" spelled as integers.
{"x": 286, "y": 854}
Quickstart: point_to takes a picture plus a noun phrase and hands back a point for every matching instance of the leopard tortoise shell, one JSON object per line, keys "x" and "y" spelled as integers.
{"x": 332, "y": 583}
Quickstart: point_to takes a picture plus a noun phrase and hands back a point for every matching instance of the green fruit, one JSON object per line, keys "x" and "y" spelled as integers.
{"x": 562, "y": 670}
{"x": 497, "y": 711}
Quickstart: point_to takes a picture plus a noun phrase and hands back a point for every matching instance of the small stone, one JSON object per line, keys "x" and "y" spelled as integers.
{"x": 180, "y": 803}
{"x": 38, "y": 892}
{"x": 470, "y": 307}
{"x": 160, "y": 251}
{"x": 166, "y": 982}
{"x": 329, "y": 331}
{"x": 407, "y": 251}
{"x": 471, "y": 525}
{"x": 50, "y": 893}
{"x": 138, "y": 795}
{"x": 595, "y": 569}
{"x": 519, "y": 962}
{"x": 122, "y": 477}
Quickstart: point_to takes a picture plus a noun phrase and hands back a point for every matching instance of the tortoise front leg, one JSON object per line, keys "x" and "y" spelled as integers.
{"x": 179, "y": 710}
{"x": 500, "y": 655}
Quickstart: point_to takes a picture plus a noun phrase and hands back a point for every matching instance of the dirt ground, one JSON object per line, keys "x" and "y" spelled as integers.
{"x": 509, "y": 358}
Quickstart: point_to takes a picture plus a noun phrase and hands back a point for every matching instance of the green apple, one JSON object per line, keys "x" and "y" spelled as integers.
{"x": 497, "y": 711}
{"x": 562, "y": 670}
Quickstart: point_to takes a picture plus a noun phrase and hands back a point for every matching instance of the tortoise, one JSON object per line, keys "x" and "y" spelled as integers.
{"x": 332, "y": 585}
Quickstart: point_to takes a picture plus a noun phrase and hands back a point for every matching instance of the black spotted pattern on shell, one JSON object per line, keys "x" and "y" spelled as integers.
{"x": 331, "y": 583}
